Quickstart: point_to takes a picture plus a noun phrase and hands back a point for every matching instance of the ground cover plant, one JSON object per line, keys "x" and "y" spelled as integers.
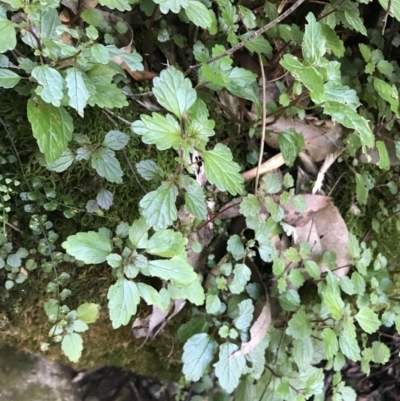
{"x": 230, "y": 168}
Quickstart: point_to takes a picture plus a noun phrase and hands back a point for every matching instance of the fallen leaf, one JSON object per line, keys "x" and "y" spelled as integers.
{"x": 327, "y": 231}
{"x": 258, "y": 331}
{"x": 315, "y": 203}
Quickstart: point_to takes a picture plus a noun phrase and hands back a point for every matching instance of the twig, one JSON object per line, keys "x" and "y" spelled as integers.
{"x": 255, "y": 34}
{"x": 385, "y": 17}
{"x": 127, "y": 122}
{"x": 336, "y": 8}
{"x": 264, "y": 115}
{"x": 272, "y": 164}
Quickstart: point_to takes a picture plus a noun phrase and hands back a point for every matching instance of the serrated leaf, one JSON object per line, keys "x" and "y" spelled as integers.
{"x": 331, "y": 345}
{"x": 222, "y": 171}
{"x": 246, "y": 310}
{"x": 389, "y": 93}
{"x": 302, "y": 351}
{"x": 194, "y": 292}
{"x": 361, "y": 189}
{"x": 258, "y": 44}
{"x": 175, "y": 269}
{"x": 8, "y": 79}
{"x": 290, "y": 144}
{"x": 314, "y": 42}
{"x": 173, "y": 91}
{"x": 51, "y": 81}
{"x": 107, "y": 165}
{"x": 104, "y": 199}
{"x": 250, "y": 206}
{"x": 380, "y": 352}
{"x": 8, "y": 37}
{"x": 90, "y": 247}
{"x": 241, "y": 277}
{"x": 52, "y": 127}
{"x": 272, "y": 183}
{"x": 213, "y": 304}
{"x": 312, "y": 269}
{"x": 166, "y": 243}
{"x": 99, "y": 51}
{"x": 347, "y": 285}
{"x": 334, "y": 303}
{"x": 333, "y": 43}
{"x": 308, "y": 76}
{"x": 138, "y": 233}
{"x": 88, "y": 312}
{"x": 132, "y": 60}
{"x": 149, "y": 170}
{"x": 348, "y": 117}
{"x": 198, "y": 352}
{"x": 228, "y": 370}
{"x": 72, "y": 346}
{"x": 196, "y": 326}
{"x": 194, "y": 197}
{"x": 368, "y": 320}
{"x": 159, "y": 208}
{"x": 148, "y": 293}
{"x": 198, "y": 13}
{"x": 235, "y": 247}
{"x": 115, "y": 140}
{"x": 349, "y": 347}
{"x": 173, "y": 5}
{"x": 79, "y": 326}
{"x": 299, "y": 326}
{"x": 123, "y": 298}
{"x": 121, "y": 5}
{"x": 77, "y": 92}
{"x": 384, "y": 161}
{"x": 62, "y": 164}
{"x": 164, "y": 132}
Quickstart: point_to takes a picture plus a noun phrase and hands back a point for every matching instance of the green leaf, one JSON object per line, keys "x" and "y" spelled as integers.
{"x": 149, "y": 170}
{"x": 213, "y": 304}
{"x": 337, "y": 92}
{"x": 99, "y": 52}
{"x": 72, "y": 345}
{"x": 197, "y": 325}
{"x": 365, "y": 52}
{"x": 222, "y": 171}
{"x": 162, "y": 131}
{"x": 290, "y": 144}
{"x": 312, "y": 269}
{"x": 384, "y": 161}
{"x": 148, "y": 293}
{"x": 52, "y": 128}
{"x": 77, "y": 92}
{"x": 380, "y": 352}
{"x": 138, "y": 233}
{"x": 246, "y": 310}
{"x": 8, "y": 37}
{"x": 90, "y": 247}
{"x": 296, "y": 277}
{"x": 166, "y": 243}
{"x": 241, "y": 277}
{"x": 331, "y": 345}
{"x": 272, "y": 183}
{"x": 333, "y": 43}
{"x": 175, "y": 269}
{"x": 115, "y": 140}
{"x": 299, "y": 326}
{"x": 88, "y": 312}
{"x": 368, "y": 320}
{"x": 349, "y": 347}
{"x": 258, "y": 44}
{"x": 273, "y": 208}
{"x": 308, "y": 76}
{"x": 79, "y": 326}
{"x": 132, "y": 60}
{"x": 236, "y": 247}
{"x": 246, "y": 390}
{"x": 334, "y": 303}
{"x": 194, "y": 292}
{"x": 194, "y": 197}
{"x": 348, "y": 117}
{"x": 314, "y": 42}
{"x": 250, "y": 206}
{"x": 389, "y": 93}
{"x": 303, "y": 351}
{"x": 62, "y": 164}
{"x": 123, "y": 298}
{"x": 8, "y": 79}
{"x": 352, "y": 16}
{"x": 361, "y": 189}
{"x": 198, "y": 352}
{"x": 173, "y": 91}
{"x": 359, "y": 283}
{"x": 104, "y": 199}
{"x": 198, "y": 13}
{"x": 347, "y": 285}
{"x": 51, "y": 81}
{"x": 159, "y": 207}
{"x": 107, "y": 165}
{"x": 228, "y": 370}
{"x": 121, "y": 5}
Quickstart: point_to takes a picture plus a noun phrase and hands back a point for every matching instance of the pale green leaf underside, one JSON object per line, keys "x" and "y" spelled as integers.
{"x": 72, "y": 346}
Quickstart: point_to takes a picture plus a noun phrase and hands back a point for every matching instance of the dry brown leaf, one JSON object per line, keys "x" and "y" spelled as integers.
{"x": 315, "y": 203}
{"x": 258, "y": 331}
{"x": 326, "y": 232}
{"x": 140, "y": 75}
